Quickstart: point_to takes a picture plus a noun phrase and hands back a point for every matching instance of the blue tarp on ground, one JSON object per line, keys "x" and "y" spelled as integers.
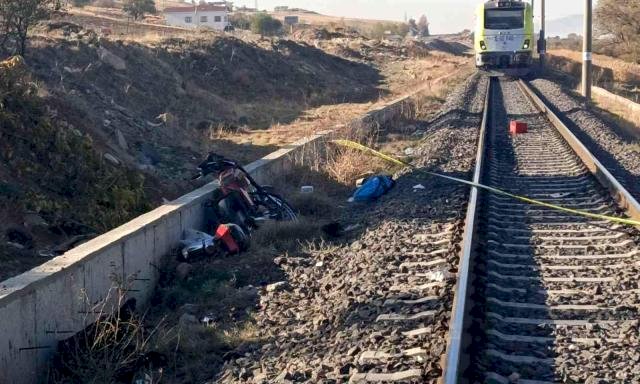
{"x": 373, "y": 188}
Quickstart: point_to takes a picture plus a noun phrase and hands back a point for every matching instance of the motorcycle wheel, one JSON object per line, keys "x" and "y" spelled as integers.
{"x": 278, "y": 206}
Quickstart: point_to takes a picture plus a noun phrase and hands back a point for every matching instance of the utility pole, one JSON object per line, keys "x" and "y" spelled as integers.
{"x": 542, "y": 48}
{"x": 587, "y": 54}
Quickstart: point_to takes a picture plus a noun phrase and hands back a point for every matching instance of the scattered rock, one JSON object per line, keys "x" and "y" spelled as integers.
{"x": 111, "y": 59}
{"x": 33, "y": 220}
{"x": 20, "y": 237}
{"x": 283, "y": 377}
{"x": 111, "y": 159}
{"x": 277, "y": 287}
{"x": 122, "y": 142}
{"x": 514, "y": 377}
{"x": 410, "y": 151}
{"x": 15, "y": 245}
{"x": 72, "y": 71}
{"x": 353, "y": 351}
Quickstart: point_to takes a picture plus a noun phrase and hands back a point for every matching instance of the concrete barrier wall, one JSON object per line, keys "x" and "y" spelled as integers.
{"x": 386, "y": 117}
{"x": 53, "y": 302}
{"x": 632, "y": 109}
{"x": 60, "y": 298}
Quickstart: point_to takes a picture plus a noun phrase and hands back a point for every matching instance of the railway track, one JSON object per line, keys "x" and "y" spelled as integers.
{"x": 544, "y": 296}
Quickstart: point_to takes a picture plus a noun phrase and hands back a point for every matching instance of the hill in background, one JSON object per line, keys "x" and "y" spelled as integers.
{"x": 564, "y": 26}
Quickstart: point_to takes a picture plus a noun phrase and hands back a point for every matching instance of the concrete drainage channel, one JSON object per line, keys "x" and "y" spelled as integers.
{"x": 54, "y": 301}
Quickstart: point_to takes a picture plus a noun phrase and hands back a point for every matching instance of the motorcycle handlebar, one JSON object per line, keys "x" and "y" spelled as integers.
{"x": 216, "y": 163}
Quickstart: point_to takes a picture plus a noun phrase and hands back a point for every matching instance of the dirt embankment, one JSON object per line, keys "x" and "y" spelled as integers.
{"x": 112, "y": 127}
{"x": 616, "y": 75}
{"x": 348, "y": 43}
{"x": 173, "y": 93}
{"x": 54, "y": 185}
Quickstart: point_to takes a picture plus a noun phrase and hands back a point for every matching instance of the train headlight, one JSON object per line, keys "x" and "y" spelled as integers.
{"x": 527, "y": 44}
{"x": 483, "y": 45}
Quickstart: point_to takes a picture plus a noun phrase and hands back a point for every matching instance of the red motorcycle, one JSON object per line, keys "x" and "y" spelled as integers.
{"x": 240, "y": 202}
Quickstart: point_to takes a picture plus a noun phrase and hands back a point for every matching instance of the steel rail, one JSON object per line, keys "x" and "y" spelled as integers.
{"x": 453, "y": 364}
{"x": 622, "y": 196}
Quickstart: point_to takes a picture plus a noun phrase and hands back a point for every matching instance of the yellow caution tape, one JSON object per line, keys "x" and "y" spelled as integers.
{"x": 362, "y": 148}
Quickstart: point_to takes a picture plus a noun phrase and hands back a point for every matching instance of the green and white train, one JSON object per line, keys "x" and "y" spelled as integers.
{"x": 504, "y": 36}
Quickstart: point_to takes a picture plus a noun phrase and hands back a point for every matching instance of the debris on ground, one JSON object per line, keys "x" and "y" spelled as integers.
{"x": 373, "y": 188}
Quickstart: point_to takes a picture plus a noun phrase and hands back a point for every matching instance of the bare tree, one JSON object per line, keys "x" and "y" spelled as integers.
{"x": 423, "y": 26}
{"x": 620, "y": 22}
{"x": 16, "y": 19}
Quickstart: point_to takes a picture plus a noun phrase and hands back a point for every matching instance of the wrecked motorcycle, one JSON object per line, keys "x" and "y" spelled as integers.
{"x": 238, "y": 207}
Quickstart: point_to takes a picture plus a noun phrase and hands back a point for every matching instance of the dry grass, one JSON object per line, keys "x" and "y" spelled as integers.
{"x": 223, "y": 288}
{"x": 406, "y": 76}
{"x": 283, "y": 237}
{"x": 115, "y": 348}
{"x": 347, "y": 166}
{"x": 621, "y": 71}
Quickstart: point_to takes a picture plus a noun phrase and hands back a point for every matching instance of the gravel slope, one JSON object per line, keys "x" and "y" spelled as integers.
{"x": 619, "y": 155}
{"x": 320, "y": 324}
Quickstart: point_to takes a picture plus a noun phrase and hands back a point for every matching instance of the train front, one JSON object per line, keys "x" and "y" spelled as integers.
{"x": 504, "y": 35}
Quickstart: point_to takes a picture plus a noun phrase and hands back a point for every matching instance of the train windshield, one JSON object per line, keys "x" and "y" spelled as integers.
{"x": 504, "y": 19}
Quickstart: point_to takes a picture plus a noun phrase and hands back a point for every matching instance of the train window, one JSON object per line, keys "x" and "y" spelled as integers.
{"x": 504, "y": 19}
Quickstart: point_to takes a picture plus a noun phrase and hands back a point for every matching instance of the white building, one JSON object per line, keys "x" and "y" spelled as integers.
{"x": 199, "y": 16}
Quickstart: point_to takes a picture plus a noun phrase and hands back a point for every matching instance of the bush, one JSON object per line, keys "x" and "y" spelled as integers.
{"x": 138, "y": 8}
{"x": 265, "y": 25}
{"x": 381, "y": 28}
{"x": 16, "y": 19}
{"x": 240, "y": 21}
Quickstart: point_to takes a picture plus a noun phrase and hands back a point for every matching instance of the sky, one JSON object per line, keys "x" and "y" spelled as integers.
{"x": 445, "y": 16}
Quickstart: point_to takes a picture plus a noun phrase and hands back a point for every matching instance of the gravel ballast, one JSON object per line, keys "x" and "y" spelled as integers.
{"x": 372, "y": 305}
{"x": 620, "y": 156}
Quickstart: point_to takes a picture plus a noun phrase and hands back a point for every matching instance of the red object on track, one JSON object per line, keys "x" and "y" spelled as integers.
{"x": 224, "y": 233}
{"x": 517, "y": 127}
